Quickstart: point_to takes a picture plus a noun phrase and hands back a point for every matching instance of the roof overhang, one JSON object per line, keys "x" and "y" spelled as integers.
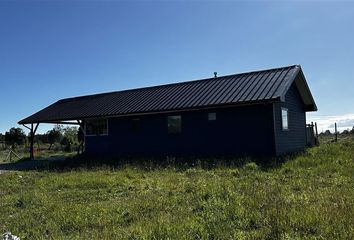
{"x": 304, "y": 91}
{"x": 77, "y": 120}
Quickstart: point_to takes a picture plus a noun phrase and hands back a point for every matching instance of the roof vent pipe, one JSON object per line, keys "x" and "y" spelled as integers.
{"x": 215, "y": 73}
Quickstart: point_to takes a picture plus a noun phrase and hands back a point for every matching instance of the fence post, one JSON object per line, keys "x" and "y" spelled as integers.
{"x": 335, "y": 131}
{"x": 317, "y": 141}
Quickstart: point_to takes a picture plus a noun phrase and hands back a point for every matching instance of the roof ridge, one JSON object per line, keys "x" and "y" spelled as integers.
{"x": 176, "y": 83}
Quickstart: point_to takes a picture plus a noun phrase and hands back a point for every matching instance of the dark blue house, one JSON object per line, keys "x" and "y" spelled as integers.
{"x": 254, "y": 113}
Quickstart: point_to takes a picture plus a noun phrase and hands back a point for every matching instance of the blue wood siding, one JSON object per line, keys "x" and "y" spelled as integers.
{"x": 293, "y": 139}
{"x": 246, "y": 130}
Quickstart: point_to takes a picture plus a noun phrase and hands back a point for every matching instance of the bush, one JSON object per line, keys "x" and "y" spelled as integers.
{"x": 14, "y": 137}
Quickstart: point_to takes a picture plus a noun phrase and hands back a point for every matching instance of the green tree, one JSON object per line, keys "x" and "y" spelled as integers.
{"x": 69, "y": 138}
{"x": 2, "y": 140}
{"x": 15, "y": 136}
{"x": 327, "y": 133}
{"x": 345, "y": 132}
{"x": 53, "y": 136}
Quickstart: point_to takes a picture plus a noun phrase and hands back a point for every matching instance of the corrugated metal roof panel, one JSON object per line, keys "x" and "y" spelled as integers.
{"x": 231, "y": 90}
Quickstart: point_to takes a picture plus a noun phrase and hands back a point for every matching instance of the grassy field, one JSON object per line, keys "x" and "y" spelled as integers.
{"x": 310, "y": 196}
{"x": 22, "y": 154}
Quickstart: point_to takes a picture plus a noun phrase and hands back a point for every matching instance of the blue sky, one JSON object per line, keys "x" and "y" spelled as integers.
{"x": 54, "y": 50}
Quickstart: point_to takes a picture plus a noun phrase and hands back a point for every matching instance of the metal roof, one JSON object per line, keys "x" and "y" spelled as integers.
{"x": 250, "y": 87}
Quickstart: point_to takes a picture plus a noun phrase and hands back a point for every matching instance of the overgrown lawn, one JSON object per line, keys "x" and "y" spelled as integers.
{"x": 310, "y": 196}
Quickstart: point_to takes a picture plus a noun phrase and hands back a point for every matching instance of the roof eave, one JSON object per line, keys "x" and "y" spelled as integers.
{"x": 64, "y": 120}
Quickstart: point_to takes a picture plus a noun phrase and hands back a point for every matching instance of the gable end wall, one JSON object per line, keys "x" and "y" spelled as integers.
{"x": 293, "y": 139}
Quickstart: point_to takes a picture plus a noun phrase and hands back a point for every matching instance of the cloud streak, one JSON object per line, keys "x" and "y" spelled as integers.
{"x": 345, "y": 121}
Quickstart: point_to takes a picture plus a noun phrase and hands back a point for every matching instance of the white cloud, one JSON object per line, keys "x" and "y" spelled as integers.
{"x": 344, "y": 123}
{"x": 326, "y": 122}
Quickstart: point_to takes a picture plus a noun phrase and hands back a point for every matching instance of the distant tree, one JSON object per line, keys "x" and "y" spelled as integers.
{"x": 15, "y": 136}
{"x": 69, "y": 138}
{"x": 327, "y": 132}
{"x": 345, "y": 132}
{"x": 40, "y": 138}
{"x": 2, "y": 140}
{"x": 352, "y": 131}
{"x": 53, "y": 136}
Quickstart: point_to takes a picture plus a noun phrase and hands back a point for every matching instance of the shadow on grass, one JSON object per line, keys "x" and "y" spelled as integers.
{"x": 64, "y": 163}
{"x": 83, "y": 162}
{"x": 26, "y": 164}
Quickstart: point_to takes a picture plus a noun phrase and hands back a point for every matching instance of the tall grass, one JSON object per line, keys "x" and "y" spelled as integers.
{"x": 310, "y": 196}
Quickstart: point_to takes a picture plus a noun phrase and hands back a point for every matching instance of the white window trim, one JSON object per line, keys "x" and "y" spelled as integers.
{"x": 94, "y": 135}
{"x": 287, "y": 119}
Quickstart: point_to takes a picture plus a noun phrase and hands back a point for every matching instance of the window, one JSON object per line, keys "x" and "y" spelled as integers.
{"x": 174, "y": 124}
{"x": 284, "y": 117}
{"x": 136, "y": 125}
{"x": 96, "y": 127}
{"x": 212, "y": 116}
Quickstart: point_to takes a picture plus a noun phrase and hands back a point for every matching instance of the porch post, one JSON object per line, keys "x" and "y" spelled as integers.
{"x": 32, "y": 133}
{"x": 31, "y": 142}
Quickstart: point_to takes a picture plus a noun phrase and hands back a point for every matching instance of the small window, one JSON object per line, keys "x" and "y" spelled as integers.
{"x": 174, "y": 124}
{"x": 96, "y": 127}
{"x": 212, "y": 116}
{"x": 136, "y": 125}
{"x": 284, "y": 117}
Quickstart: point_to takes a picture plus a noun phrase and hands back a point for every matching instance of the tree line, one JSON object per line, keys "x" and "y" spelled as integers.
{"x": 58, "y": 138}
{"x": 344, "y": 132}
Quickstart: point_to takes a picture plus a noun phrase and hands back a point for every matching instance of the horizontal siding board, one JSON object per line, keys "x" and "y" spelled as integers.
{"x": 293, "y": 139}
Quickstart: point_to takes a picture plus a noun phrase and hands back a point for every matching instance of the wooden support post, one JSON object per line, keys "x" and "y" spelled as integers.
{"x": 317, "y": 141}
{"x": 32, "y": 133}
{"x": 335, "y": 131}
{"x": 31, "y": 142}
{"x": 81, "y": 137}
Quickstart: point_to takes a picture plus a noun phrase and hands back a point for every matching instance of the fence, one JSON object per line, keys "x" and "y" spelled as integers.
{"x": 311, "y": 134}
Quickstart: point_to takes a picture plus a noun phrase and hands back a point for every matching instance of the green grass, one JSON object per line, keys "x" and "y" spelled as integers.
{"x": 310, "y": 196}
{"x": 5, "y": 158}
{"x": 23, "y": 154}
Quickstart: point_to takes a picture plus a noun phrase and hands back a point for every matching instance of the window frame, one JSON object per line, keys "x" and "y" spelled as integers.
{"x": 284, "y": 128}
{"x": 180, "y": 124}
{"x": 211, "y": 116}
{"x": 96, "y": 135}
